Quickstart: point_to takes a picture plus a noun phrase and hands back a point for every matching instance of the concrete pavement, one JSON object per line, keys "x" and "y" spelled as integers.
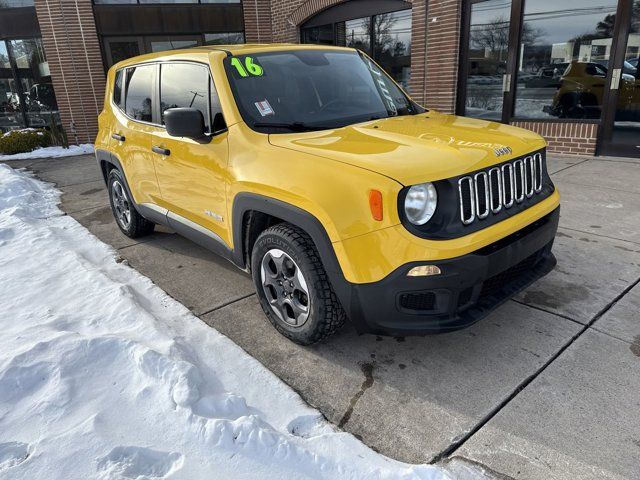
{"x": 545, "y": 387}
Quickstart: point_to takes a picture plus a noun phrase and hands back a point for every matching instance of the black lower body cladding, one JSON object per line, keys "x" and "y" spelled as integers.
{"x": 468, "y": 288}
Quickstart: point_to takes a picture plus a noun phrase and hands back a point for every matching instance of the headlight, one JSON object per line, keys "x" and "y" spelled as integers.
{"x": 420, "y": 203}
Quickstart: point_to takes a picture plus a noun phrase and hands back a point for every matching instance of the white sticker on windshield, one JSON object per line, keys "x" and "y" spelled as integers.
{"x": 264, "y": 108}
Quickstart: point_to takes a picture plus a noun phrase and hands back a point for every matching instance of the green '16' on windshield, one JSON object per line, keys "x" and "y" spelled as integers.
{"x": 249, "y": 67}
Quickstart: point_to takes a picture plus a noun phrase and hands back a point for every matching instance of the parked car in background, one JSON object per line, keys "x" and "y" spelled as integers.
{"x": 581, "y": 92}
{"x": 487, "y": 66}
{"x": 310, "y": 168}
{"x": 547, "y": 77}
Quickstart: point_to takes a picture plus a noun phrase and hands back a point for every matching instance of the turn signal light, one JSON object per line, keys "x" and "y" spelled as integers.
{"x": 375, "y": 204}
{"x": 424, "y": 271}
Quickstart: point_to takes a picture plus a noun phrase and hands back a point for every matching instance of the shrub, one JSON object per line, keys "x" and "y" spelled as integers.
{"x": 22, "y": 141}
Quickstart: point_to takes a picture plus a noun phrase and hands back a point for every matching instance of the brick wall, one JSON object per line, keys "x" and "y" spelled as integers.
{"x": 257, "y": 21}
{"x": 443, "y": 39}
{"x": 570, "y": 138}
{"x": 71, "y": 46}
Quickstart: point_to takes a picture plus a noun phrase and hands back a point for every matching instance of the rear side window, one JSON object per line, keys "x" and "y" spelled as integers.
{"x": 138, "y": 102}
{"x": 185, "y": 85}
{"x": 117, "y": 89}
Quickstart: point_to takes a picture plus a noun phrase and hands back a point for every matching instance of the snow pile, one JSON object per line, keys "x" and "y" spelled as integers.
{"x": 103, "y": 375}
{"x": 51, "y": 152}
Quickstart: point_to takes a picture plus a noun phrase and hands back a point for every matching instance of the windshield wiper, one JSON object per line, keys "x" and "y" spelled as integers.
{"x": 293, "y": 126}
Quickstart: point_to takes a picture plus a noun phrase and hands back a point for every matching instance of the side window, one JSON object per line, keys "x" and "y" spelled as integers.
{"x": 216, "y": 109}
{"x": 185, "y": 85}
{"x": 138, "y": 103}
{"x": 117, "y": 89}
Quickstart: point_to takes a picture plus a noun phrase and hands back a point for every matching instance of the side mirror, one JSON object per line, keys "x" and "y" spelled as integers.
{"x": 184, "y": 122}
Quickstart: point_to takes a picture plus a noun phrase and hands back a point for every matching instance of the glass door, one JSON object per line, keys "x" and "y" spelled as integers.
{"x": 621, "y": 121}
{"x": 485, "y": 80}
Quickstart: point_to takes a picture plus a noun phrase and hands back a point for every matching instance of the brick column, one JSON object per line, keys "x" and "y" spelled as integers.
{"x": 443, "y": 40}
{"x": 73, "y": 53}
{"x": 417, "y": 83}
{"x": 257, "y": 21}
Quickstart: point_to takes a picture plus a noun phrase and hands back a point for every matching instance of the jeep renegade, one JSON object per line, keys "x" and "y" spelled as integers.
{"x": 311, "y": 169}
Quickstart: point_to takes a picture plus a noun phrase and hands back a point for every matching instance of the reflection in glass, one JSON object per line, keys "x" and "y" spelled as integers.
{"x": 488, "y": 47}
{"x": 358, "y": 34}
{"x": 10, "y": 114}
{"x": 392, "y": 48}
{"x": 564, "y": 58}
{"x": 389, "y": 32}
{"x": 322, "y": 35}
{"x": 139, "y": 82}
{"x": 183, "y": 85}
{"x": 172, "y": 44}
{"x": 626, "y": 129}
{"x": 34, "y": 82}
{"x": 123, "y": 49}
{"x": 16, "y": 3}
{"x": 224, "y": 38}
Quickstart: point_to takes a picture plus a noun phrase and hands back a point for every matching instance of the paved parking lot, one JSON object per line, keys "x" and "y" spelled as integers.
{"x": 546, "y": 387}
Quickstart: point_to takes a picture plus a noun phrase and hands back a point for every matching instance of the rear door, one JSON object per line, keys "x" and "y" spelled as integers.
{"x": 134, "y": 123}
{"x": 192, "y": 174}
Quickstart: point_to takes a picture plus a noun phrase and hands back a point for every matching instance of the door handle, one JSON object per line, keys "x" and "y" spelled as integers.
{"x": 117, "y": 136}
{"x": 161, "y": 151}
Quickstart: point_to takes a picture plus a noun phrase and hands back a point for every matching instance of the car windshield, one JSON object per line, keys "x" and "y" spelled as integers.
{"x": 303, "y": 90}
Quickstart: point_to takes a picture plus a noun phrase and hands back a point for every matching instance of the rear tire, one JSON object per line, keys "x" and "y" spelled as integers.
{"x": 293, "y": 286}
{"x": 130, "y": 222}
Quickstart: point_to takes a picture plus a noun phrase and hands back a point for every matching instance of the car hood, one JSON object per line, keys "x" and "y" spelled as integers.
{"x": 417, "y": 148}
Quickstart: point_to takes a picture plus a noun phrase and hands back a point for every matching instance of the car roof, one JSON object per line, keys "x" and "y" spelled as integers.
{"x": 196, "y": 53}
{"x": 243, "y": 48}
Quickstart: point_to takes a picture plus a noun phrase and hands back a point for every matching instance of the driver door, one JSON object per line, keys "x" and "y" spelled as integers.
{"x": 192, "y": 174}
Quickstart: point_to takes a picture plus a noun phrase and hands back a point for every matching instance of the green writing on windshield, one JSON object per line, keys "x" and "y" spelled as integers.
{"x": 250, "y": 67}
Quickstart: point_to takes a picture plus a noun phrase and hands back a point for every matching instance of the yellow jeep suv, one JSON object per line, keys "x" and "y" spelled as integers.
{"x": 309, "y": 168}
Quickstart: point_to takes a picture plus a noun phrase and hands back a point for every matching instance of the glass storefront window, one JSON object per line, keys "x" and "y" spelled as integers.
{"x": 35, "y": 81}
{"x": 322, "y": 35}
{"x": 26, "y": 91}
{"x": 10, "y": 113}
{"x": 392, "y": 47}
{"x": 16, "y": 3}
{"x": 358, "y": 34}
{"x": 563, "y": 58}
{"x": 119, "y": 49}
{"x": 487, "y": 58}
{"x": 226, "y": 38}
{"x": 168, "y": 43}
{"x": 386, "y": 37}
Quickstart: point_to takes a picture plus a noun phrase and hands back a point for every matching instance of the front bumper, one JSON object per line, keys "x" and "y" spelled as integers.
{"x": 468, "y": 288}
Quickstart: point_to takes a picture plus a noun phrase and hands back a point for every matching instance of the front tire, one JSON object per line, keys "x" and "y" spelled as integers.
{"x": 293, "y": 287}
{"x": 130, "y": 222}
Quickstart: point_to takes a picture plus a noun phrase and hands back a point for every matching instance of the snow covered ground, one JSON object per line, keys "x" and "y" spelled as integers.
{"x": 50, "y": 152}
{"x": 103, "y": 375}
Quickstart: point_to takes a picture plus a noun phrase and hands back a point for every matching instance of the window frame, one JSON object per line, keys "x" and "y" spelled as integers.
{"x": 156, "y": 114}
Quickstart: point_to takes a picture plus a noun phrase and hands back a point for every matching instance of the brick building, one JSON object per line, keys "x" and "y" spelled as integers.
{"x": 568, "y": 70}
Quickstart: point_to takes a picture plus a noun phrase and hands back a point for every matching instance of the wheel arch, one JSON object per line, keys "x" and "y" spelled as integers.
{"x": 243, "y": 236}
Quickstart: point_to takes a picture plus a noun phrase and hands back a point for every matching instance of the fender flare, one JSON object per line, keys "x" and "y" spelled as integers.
{"x": 244, "y": 202}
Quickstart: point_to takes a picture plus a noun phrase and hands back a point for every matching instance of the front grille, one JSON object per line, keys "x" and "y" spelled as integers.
{"x": 418, "y": 301}
{"x": 488, "y": 192}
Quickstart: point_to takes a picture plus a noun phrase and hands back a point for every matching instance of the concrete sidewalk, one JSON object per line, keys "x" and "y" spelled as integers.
{"x": 545, "y": 387}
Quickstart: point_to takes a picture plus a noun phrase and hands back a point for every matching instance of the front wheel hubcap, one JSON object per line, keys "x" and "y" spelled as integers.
{"x": 285, "y": 287}
{"x": 121, "y": 204}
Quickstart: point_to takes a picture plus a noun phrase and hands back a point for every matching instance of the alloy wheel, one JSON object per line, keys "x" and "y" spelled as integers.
{"x": 121, "y": 204}
{"x": 285, "y": 287}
